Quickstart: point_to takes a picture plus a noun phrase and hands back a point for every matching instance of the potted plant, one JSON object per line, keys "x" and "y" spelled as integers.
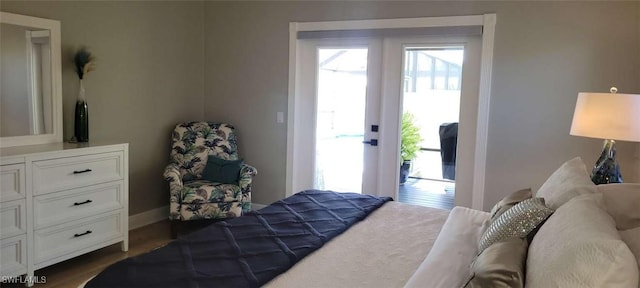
{"x": 409, "y": 144}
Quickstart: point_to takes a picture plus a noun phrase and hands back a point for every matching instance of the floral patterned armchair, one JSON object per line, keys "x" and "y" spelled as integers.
{"x": 193, "y": 198}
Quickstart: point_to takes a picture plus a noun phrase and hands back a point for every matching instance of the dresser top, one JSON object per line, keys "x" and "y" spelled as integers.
{"x": 50, "y": 147}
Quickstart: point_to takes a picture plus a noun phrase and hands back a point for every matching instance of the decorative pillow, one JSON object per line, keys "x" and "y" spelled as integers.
{"x": 579, "y": 246}
{"x": 622, "y": 201}
{"x": 447, "y": 264}
{"x": 221, "y": 170}
{"x": 509, "y": 201}
{"x": 518, "y": 222}
{"x": 570, "y": 180}
{"x": 632, "y": 238}
{"x": 500, "y": 265}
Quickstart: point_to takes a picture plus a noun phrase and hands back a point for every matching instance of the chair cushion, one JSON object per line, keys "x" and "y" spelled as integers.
{"x": 210, "y": 192}
{"x": 192, "y": 142}
{"x": 221, "y": 170}
{"x": 570, "y": 180}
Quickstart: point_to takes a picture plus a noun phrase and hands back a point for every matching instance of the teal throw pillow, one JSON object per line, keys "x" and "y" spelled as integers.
{"x": 221, "y": 170}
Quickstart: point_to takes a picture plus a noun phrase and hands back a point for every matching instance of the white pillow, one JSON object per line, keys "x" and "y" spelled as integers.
{"x": 570, "y": 180}
{"x": 623, "y": 204}
{"x": 449, "y": 261}
{"x": 579, "y": 246}
{"x": 632, "y": 238}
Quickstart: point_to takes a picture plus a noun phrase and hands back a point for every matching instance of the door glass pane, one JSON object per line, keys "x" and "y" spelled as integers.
{"x": 433, "y": 80}
{"x": 340, "y": 116}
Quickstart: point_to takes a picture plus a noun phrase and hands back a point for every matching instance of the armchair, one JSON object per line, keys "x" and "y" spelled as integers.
{"x": 193, "y": 198}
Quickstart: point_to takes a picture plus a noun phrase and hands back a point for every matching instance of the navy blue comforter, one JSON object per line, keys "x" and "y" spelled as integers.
{"x": 247, "y": 251}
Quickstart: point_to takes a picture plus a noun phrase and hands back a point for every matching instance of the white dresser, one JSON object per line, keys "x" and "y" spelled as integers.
{"x": 61, "y": 200}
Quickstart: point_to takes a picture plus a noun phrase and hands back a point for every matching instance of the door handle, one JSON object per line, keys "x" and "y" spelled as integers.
{"x": 372, "y": 142}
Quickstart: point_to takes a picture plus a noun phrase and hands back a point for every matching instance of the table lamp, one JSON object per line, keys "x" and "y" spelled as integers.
{"x": 609, "y": 116}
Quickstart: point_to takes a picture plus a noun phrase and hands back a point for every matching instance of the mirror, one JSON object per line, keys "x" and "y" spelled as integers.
{"x": 30, "y": 77}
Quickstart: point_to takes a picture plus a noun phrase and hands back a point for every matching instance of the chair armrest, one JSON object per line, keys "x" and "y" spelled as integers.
{"x": 246, "y": 174}
{"x": 172, "y": 175}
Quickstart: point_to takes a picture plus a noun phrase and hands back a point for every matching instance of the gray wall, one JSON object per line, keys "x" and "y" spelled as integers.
{"x": 149, "y": 76}
{"x": 545, "y": 53}
{"x": 14, "y": 116}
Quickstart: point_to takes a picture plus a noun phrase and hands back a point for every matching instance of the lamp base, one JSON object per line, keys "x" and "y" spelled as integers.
{"x": 607, "y": 169}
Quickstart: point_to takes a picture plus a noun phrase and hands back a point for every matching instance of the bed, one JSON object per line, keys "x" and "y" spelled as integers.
{"x": 391, "y": 233}
{"x": 395, "y": 239}
{"x": 591, "y": 238}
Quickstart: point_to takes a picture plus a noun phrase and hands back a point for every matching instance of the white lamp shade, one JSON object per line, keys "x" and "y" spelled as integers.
{"x": 607, "y": 116}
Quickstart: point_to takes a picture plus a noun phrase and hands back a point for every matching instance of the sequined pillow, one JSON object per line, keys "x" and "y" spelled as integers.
{"x": 518, "y": 222}
{"x": 511, "y": 200}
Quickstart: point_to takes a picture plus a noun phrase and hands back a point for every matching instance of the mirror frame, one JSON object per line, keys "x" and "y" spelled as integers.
{"x": 56, "y": 80}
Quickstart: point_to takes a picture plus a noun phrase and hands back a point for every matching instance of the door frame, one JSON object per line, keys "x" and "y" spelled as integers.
{"x": 486, "y": 21}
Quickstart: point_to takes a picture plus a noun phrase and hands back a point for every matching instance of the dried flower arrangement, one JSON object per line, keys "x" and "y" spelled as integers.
{"x": 84, "y": 62}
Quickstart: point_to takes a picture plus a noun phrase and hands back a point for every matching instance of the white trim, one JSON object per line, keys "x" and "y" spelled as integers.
{"x": 488, "y": 22}
{"x": 256, "y": 206}
{"x": 148, "y": 217}
{"x": 472, "y": 20}
{"x": 293, "y": 28}
{"x": 32, "y": 84}
{"x": 162, "y": 213}
{"x": 484, "y": 102}
{"x": 56, "y": 80}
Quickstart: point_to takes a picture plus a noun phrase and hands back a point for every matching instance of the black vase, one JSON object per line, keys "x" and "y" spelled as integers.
{"x": 81, "y": 130}
{"x": 81, "y": 123}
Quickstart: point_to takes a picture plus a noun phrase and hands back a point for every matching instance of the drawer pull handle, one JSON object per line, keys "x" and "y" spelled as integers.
{"x": 82, "y": 171}
{"x": 81, "y": 203}
{"x": 82, "y": 234}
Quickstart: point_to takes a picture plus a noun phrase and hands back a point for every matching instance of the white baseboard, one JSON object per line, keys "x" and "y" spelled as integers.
{"x": 148, "y": 217}
{"x": 256, "y": 206}
{"x": 162, "y": 213}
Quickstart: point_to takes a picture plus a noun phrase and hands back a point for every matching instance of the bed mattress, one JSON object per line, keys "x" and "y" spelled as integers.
{"x": 383, "y": 250}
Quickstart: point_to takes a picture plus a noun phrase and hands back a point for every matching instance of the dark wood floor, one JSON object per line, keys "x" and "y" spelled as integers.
{"x": 427, "y": 193}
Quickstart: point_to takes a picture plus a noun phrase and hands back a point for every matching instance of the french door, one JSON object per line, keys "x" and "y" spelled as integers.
{"x": 351, "y": 93}
{"x": 341, "y": 81}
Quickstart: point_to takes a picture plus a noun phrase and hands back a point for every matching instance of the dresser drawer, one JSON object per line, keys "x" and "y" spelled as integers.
{"x": 13, "y": 218}
{"x": 60, "y": 207}
{"x": 13, "y": 256}
{"x": 77, "y": 171}
{"x": 12, "y": 182}
{"x": 61, "y": 240}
